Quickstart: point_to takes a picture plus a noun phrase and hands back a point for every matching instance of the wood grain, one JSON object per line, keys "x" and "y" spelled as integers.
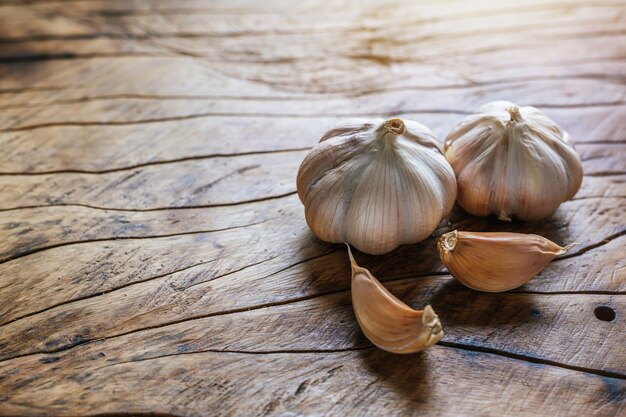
{"x": 154, "y": 258}
{"x": 207, "y": 136}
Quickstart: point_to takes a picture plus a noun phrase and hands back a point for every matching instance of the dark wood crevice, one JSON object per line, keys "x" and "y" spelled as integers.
{"x": 532, "y": 359}
{"x": 19, "y": 255}
{"x": 129, "y": 284}
{"x": 577, "y": 292}
{"x": 587, "y": 248}
{"x": 190, "y": 207}
{"x": 201, "y": 206}
{"x": 160, "y": 162}
{"x": 261, "y": 152}
{"x": 170, "y": 273}
{"x": 605, "y": 173}
{"x": 398, "y": 112}
{"x": 444, "y": 343}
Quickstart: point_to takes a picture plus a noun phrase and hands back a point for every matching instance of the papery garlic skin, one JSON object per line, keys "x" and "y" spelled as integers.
{"x": 495, "y": 262}
{"x": 386, "y": 321}
{"x": 512, "y": 161}
{"x": 376, "y": 184}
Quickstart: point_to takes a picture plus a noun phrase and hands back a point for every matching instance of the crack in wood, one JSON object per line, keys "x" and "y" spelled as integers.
{"x": 244, "y": 352}
{"x": 587, "y": 248}
{"x": 313, "y": 96}
{"x": 84, "y": 341}
{"x": 201, "y": 206}
{"x": 605, "y": 173}
{"x": 532, "y": 359}
{"x": 251, "y": 153}
{"x": 188, "y": 207}
{"x": 164, "y": 275}
{"x": 293, "y": 115}
{"x": 446, "y": 344}
{"x": 81, "y": 242}
{"x": 580, "y": 292}
{"x": 161, "y": 162}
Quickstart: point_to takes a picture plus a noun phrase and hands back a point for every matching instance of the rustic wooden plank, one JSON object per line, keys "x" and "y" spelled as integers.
{"x": 36, "y": 229}
{"x": 199, "y": 33}
{"x": 33, "y": 87}
{"x": 182, "y": 295}
{"x": 184, "y": 74}
{"x": 68, "y": 147}
{"x": 608, "y": 186}
{"x": 324, "y": 70}
{"x": 542, "y": 94}
{"x": 344, "y": 383}
{"x": 211, "y": 18}
{"x": 103, "y": 269}
{"x": 191, "y": 183}
{"x": 185, "y": 184}
{"x": 153, "y": 306}
{"x": 538, "y": 326}
{"x": 603, "y": 159}
{"x": 29, "y": 230}
{"x": 32, "y": 229}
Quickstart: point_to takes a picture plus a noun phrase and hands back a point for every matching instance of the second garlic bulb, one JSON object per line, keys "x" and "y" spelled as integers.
{"x": 376, "y": 184}
{"x": 512, "y": 161}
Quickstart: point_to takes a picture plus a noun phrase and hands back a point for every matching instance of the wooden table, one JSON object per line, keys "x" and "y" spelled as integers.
{"x": 154, "y": 257}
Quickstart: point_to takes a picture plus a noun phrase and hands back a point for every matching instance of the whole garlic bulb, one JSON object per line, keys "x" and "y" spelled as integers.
{"x": 376, "y": 184}
{"x": 512, "y": 161}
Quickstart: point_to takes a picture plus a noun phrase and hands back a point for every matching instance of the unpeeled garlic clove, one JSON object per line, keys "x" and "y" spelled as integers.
{"x": 388, "y": 322}
{"x": 496, "y": 262}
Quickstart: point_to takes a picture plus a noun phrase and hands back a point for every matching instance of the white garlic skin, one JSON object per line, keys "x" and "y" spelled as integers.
{"x": 376, "y": 184}
{"x": 512, "y": 161}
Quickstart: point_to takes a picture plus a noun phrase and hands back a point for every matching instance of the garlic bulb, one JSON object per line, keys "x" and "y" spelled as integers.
{"x": 495, "y": 262}
{"x": 376, "y": 184}
{"x": 512, "y": 161}
{"x": 388, "y": 322}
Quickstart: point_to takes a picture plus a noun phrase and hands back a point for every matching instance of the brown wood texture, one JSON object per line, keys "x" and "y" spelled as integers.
{"x": 154, "y": 257}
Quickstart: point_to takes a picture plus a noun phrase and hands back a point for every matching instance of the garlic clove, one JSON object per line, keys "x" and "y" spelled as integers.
{"x": 385, "y": 320}
{"x": 495, "y": 262}
{"x": 376, "y": 184}
{"x": 512, "y": 161}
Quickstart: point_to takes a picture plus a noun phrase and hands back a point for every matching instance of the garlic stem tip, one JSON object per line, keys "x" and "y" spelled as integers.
{"x": 515, "y": 114}
{"x": 449, "y": 240}
{"x": 395, "y": 126}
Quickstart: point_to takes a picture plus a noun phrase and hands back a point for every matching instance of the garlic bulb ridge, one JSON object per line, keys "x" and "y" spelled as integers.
{"x": 512, "y": 161}
{"x": 376, "y": 184}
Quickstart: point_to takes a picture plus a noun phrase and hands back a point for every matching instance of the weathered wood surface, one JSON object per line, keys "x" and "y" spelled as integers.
{"x": 154, "y": 257}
